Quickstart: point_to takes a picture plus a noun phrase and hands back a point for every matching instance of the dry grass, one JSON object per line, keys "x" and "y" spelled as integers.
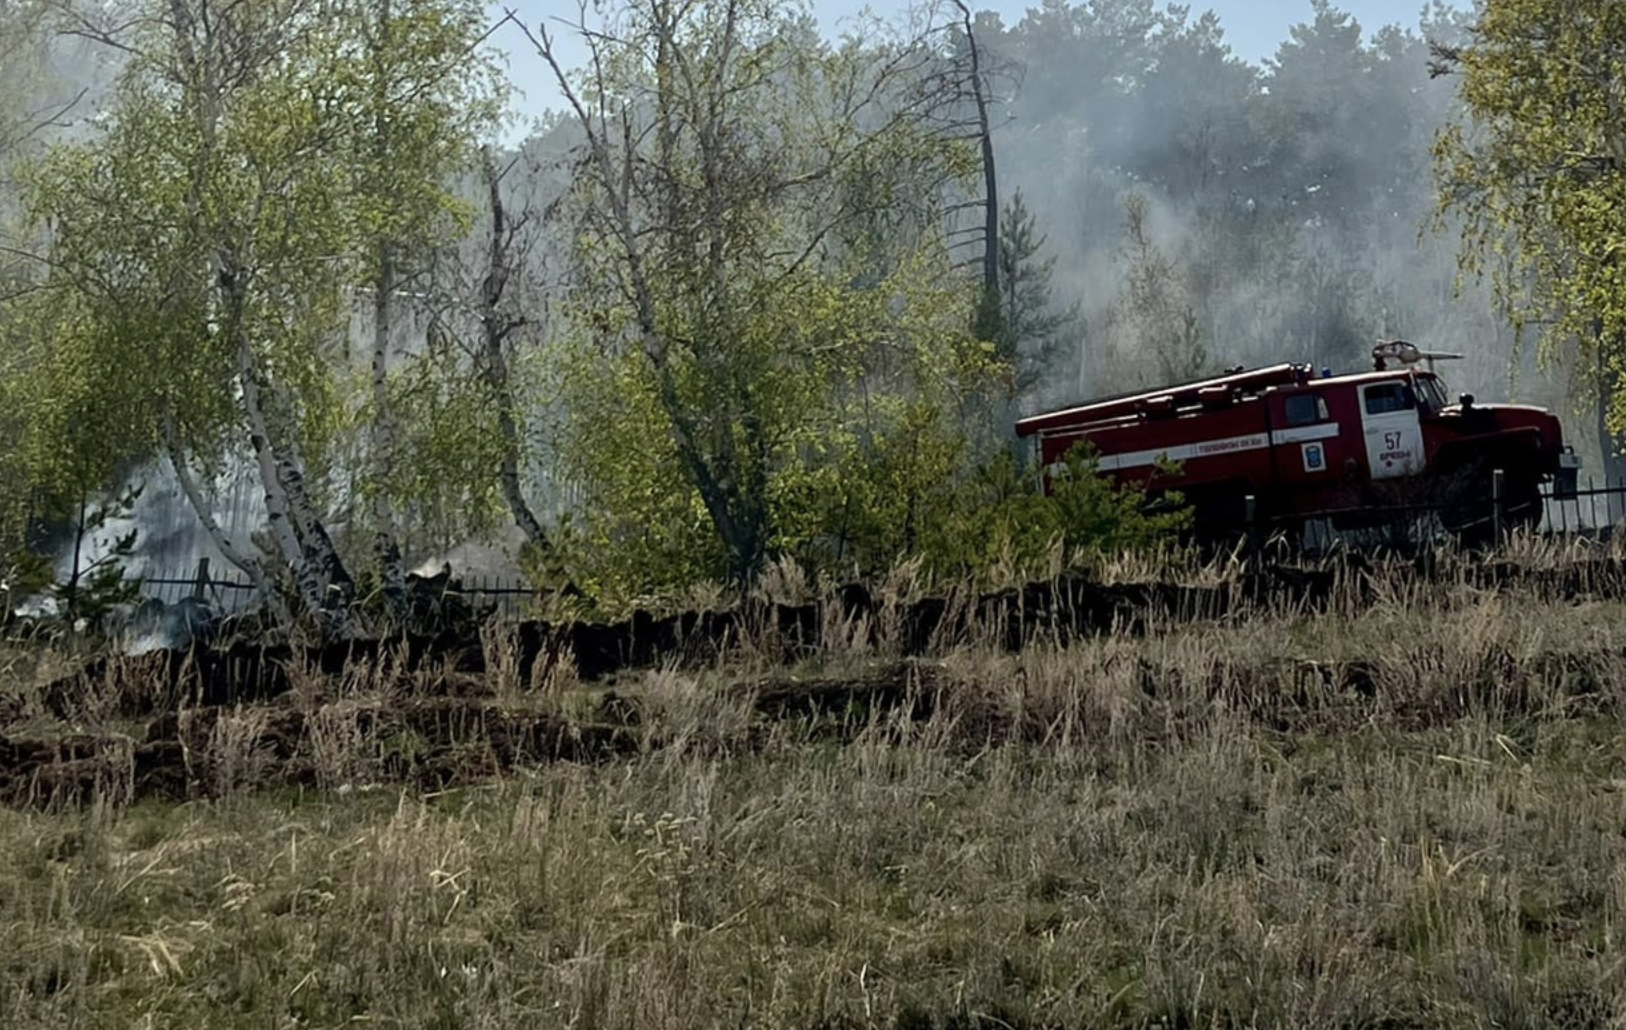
{"x": 1407, "y": 813}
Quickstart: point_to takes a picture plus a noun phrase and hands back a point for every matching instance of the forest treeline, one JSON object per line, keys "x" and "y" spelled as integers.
{"x": 751, "y": 292}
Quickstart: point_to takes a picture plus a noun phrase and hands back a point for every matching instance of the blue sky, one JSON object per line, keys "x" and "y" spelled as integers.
{"x": 1252, "y": 27}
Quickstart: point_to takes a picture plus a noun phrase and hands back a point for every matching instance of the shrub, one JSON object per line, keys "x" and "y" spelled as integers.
{"x": 1004, "y": 516}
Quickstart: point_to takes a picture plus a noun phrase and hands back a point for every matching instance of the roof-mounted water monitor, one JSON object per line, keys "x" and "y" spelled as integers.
{"x": 1393, "y": 354}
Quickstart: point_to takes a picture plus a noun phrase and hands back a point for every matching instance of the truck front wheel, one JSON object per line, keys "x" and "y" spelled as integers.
{"x": 1468, "y": 512}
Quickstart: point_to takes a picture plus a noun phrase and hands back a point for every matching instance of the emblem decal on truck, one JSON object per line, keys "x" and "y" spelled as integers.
{"x": 1315, "y": 457}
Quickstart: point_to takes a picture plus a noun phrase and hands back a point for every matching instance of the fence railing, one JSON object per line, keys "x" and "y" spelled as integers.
{"x": 233, "y": 593}
{"x": 228, "y": 596}
{"x": 1589, "y": 507}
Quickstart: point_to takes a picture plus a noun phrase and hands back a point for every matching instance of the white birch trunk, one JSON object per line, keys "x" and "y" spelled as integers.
{"x": 284, "y": 529}
{"x": 386, "y": 548}
{"x": 259, "y": 439}
{"x": 322, "y": 563}
{"x": 211, "y": 528}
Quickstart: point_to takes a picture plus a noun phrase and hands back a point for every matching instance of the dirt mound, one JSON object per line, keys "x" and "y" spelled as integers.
{"x": 430, "y": 743}
{"x": 1059, "y": 611}
{"x": 426, "y": 710}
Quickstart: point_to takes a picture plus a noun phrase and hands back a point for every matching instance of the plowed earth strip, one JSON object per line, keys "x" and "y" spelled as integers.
{"x": 1067, "y": 609}
{"x": 437, "y": 742}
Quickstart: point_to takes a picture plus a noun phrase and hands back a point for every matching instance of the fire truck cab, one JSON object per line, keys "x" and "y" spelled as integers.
{"x": 1350, "y": 448}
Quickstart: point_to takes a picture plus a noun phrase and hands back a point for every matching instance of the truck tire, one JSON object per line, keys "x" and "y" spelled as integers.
{"x": 1464, "y": 494}
{"x": 1524, "y": 506}
{"x": 1467, "y": 511}
{"x": 1218, "y": 513}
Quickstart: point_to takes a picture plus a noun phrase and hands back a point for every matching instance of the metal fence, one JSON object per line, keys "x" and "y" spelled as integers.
{"x": 232, "y": 593}
{"x": 1589, "y": 508}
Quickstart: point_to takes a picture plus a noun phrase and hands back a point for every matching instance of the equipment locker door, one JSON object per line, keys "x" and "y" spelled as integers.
{"x": 1394, "y": 439}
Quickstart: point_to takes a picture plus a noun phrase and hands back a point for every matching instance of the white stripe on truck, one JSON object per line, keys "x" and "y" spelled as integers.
{"x": 1324, "y": 431}
{"x": 1211, "y": 448}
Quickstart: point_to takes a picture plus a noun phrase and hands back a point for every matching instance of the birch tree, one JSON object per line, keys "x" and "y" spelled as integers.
{"x": 427, "y": 94}
{"x": 260, "y": 161}
{"x": 1536, "y": 169}
{"x": 201, "y": 241}
{"x": 38, "y": 103}
{"x": 717, "y": 144}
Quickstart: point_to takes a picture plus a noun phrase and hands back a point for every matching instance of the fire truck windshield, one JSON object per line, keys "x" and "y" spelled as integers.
{"x": 1433, "y": 393}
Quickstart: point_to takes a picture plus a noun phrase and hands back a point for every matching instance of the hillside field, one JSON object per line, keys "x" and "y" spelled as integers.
{"x": 1401, "y": 805}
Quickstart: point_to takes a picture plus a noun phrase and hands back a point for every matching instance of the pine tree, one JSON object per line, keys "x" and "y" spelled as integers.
{"x": 1031, "y": 330}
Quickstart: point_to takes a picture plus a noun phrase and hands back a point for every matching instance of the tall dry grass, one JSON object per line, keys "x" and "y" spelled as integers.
{"x": 1406, "y": 809}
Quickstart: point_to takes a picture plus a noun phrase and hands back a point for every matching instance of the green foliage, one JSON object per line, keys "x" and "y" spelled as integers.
{"x": 809, "y": 376}
{"x": 906, "y": 482}
{"x": 854, "y": 395}
{"x": 767, "y": 352}
{"x": 1537, "y": 172}
{"x": 880, "y": 498}
{"x": 75, "y": 429}
{"x": 419, "y": 99}
{"x": 180, "y": 189}
{"x": 71, "y": 435}
{"x": 256, "y": 166}
{"x": 423, "y": 95}
{"x": 447, "y": 447}
{"x": 748, "y": 323}
{"x": 15, "y": 483}
{"x": 638, "y": 524}
{"x": 1001, "y": 517}
{"x": 95, "y": 586}
{"x": 989, "y": 321}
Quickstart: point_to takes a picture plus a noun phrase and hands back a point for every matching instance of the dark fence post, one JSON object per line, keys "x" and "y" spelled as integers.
{"x": 1496, "y": 504}
{"x": 200, "y": 585}
{"x": 1252, "y": 514}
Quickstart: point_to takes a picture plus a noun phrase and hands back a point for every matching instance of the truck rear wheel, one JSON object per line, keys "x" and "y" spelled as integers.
{"x": 1467, "y": 510}
{"x": 1219, "y": 516}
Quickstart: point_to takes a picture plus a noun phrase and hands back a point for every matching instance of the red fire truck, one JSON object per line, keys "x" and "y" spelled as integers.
{"x": 1353, "y": 449}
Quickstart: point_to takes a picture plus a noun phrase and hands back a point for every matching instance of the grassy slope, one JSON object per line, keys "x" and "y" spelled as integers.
{"x": 1162, "y": 832}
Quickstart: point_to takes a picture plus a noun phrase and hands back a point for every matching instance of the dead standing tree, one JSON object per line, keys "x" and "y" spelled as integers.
{"x": 497, "y": 327}
{"x": 974, "y": 86}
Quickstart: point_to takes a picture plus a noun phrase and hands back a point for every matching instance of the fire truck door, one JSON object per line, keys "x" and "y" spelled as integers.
{"x": 1394, "y": 439}
{"x": 1307, "y": 438}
